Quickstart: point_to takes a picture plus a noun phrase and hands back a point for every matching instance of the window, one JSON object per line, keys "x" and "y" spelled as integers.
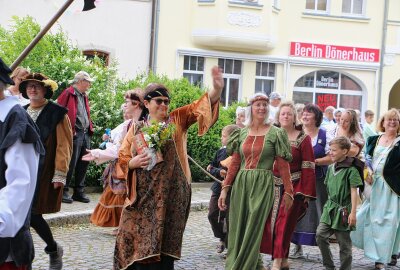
{"x": 353, "y": 7}
{"x": 328, "y": 88}
{"x": 232, "y": 73}
{"x": 265, "y": 77}
{"x": 245, "y": 1}
{"x": 103, "y": 56}
{"x": 317, "y": 5}
{"x": 193, "y": 69}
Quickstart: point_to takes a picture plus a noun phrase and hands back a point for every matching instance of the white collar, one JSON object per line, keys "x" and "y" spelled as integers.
{"x": 6, "y": 105}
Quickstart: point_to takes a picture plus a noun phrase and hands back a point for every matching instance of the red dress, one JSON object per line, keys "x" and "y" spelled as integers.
{"x": 283, "y": 223}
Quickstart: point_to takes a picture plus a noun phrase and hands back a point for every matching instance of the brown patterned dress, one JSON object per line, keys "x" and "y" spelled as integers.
{"x": 158, "y": 203}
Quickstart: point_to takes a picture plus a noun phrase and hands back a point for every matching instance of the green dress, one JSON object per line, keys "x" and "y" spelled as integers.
{"x": 252, "y": 193}
{"x": 339, "y": 184}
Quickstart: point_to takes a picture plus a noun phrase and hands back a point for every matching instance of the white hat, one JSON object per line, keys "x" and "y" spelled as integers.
{"x": 275, "y": 95}
{"x": 82, "y": 75}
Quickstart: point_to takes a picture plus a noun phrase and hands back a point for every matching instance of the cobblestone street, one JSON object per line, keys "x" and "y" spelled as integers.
{"x": 90, "y": 247}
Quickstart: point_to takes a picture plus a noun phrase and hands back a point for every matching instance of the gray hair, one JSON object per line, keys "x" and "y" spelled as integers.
{"x": 240, "y": 110}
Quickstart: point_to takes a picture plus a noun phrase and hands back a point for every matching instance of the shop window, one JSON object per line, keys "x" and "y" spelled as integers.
{"x": 317, "y": 5}
{"x": 328, "y": 88}
{"x": 104, "y": 56}
{"x": 193, "y": 69}
{"x": 353, "y": 7}
{"x": 265, "y": 77}
{"x": 232, "y": 73}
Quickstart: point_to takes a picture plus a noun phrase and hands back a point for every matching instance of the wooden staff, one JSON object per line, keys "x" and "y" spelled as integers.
{"x": 204, "y": 171}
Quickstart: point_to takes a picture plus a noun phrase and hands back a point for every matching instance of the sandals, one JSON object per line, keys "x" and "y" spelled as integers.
{"x": 379, "y": 266}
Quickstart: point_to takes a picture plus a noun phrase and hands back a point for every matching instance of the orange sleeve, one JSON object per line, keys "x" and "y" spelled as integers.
{"x": 233, "y": 169}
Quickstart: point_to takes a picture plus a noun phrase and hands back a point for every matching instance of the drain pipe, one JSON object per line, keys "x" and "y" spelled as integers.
{"x": 155, "y": 13}
{"x": 382, "y": 62}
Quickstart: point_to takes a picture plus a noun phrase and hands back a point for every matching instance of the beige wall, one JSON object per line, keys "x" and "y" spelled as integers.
{"x": 221, "y": 29}
{"x": 118, "y": 27}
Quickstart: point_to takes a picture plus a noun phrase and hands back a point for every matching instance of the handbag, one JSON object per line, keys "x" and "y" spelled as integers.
{"x": 117, "y": 180}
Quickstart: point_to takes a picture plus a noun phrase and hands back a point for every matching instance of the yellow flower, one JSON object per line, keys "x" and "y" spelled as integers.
{"x": 53, "y": 85}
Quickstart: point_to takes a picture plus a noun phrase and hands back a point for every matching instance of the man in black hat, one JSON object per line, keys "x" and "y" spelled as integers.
{"x": 20, "y": 148}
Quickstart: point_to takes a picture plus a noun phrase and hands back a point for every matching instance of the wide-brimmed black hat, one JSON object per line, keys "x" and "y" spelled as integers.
{"x": 48, "y": 84}
{"x": 4, "y": 71}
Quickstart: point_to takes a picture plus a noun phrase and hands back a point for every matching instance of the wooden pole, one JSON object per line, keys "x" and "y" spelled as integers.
{"x": 39, "y": 36}
{"x": 204, "y": 171}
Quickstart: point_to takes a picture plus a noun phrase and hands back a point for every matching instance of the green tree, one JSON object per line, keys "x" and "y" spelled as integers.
{"x": 56, "y": 57}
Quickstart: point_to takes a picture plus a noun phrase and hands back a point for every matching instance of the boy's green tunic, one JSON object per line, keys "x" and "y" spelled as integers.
{"x": 339, "y": 184}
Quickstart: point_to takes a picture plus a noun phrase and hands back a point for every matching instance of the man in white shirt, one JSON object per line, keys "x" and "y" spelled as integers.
{"x": 328, "y": 121}
{"x": 369, "y": 128}
{"x": 20, "y": 148}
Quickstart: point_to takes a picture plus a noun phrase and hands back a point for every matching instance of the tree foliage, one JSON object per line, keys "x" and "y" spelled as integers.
{"x": 59, "y": 59}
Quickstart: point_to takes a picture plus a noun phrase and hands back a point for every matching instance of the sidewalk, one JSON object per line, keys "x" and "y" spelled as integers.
{"x": 79, "y": 213}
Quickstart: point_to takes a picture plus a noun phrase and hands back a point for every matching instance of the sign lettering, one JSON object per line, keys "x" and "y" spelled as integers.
{"x": 342, "y": 53}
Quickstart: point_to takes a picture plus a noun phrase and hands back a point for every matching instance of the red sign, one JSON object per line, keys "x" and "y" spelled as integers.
{"x": 342, "y": 53}
{"x": 325, "y": 100}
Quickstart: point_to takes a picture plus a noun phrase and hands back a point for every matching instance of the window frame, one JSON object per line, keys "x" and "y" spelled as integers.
{"x": 191, "y": 72}
{"x": 103, "y": 55}
{"x": 229, "y": 76}
{"x": 265, "y": 78}
{"x": 351, "y": 13}
{"x": 339, "y": 92}
{"x": 316, "y": 11}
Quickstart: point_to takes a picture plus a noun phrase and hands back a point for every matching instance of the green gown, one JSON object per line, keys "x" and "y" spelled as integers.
{"x": 252, "y": 193}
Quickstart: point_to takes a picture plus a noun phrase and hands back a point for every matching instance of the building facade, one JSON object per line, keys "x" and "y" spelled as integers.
{"x": 117, "y": 30}
{"x": 327, "y": 52}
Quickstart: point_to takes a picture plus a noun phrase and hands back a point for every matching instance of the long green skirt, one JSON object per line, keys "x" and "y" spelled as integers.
{"x": 250, "y": 204}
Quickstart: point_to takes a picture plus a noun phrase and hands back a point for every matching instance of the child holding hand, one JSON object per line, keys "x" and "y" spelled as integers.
{"x": 218, "y": 170}
{"x": 339, "y": 213}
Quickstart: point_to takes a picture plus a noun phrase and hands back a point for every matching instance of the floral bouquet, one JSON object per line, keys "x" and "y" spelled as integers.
{"x": 151, "y": 139}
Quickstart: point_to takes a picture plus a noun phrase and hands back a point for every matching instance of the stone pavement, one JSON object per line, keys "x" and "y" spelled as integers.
{"x": 87, "y": 247}
{"x": 78, "y": 213}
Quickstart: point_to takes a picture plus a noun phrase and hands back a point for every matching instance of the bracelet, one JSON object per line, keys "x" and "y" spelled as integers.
{"x": 225, "y": 186}
{"x": 290, "y": 195}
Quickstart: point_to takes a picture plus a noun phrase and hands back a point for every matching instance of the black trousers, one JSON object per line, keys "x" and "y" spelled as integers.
{"x": 216, "y": 217}
{"x": 78, "y": 167}
{"x": 166, "y": 263}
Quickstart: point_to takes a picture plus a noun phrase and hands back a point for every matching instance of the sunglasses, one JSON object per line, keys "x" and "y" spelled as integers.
{"x": 159, "y": 101}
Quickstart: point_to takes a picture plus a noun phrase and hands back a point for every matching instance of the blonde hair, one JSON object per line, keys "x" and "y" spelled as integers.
{"x": 18, "y": 72}
{"x": 291, "y": 105}
{"x": 229, "y": 129}
{"x": 390, "y": 113}
{"x": 342, "y": 141}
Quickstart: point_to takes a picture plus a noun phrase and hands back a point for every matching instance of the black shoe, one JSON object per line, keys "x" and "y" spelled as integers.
{"x": 393, "y": 260}
{"x": 66, "y": 198}
{"x": 81, "y": 197}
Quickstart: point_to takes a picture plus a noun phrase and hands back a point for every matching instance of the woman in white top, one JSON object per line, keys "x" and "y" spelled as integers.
{"x": 108, "y": 211}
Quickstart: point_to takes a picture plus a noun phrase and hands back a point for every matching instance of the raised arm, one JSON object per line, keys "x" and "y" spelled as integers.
{"x": 218, "y": 84}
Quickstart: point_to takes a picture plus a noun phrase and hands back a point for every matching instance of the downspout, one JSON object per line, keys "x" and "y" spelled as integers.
{"x": 382, "y": 62}
{"x": 155, "y": 13}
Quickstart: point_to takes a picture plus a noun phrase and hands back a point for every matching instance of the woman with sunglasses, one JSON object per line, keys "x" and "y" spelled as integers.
{"x": 108, "y": 211}
{"x": 154, "y": 219}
